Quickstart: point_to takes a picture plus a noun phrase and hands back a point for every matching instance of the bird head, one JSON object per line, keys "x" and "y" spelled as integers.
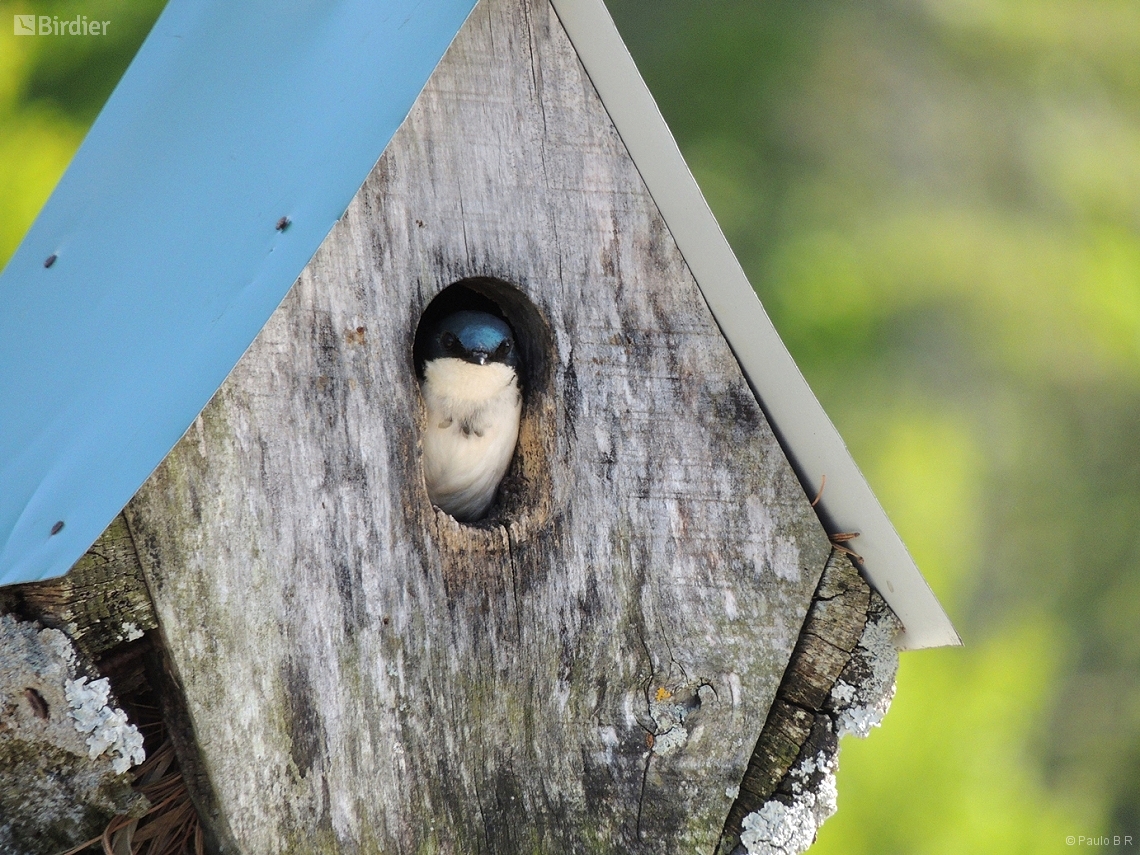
{"x": 476, "y": 337}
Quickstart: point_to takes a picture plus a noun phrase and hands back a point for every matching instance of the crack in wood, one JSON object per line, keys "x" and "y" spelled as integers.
{"x": 836, "y": 619}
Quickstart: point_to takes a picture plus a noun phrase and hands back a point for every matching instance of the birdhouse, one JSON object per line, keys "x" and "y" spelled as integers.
{"x": 648, "y": 628}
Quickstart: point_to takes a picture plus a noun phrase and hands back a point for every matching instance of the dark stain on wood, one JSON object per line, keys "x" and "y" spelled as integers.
{"x": 36, "y": 701}
{"x": 305, "y": 731}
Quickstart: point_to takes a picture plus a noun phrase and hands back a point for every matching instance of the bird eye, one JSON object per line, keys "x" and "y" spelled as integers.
{"x": 448, "y": 340}
{"x": 504, "y": 348}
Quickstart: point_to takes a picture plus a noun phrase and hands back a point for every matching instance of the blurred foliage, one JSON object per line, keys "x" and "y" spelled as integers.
{"x": 51, "y": 89}
{"x": 939, "y": 204}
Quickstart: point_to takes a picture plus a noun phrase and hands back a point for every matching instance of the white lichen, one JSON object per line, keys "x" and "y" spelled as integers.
{"x": 860, "y": 708}
{"x": 669, "y": 717}
{"x": 789, "y": 829}
{"x": 52, "y": 782}
{"x": 131, "y": 632}
{"x": 788, "y": 825}
{"x": 843, "y": 693}
{"x": 60, "y": 645}
{"x": 107, "y": 728}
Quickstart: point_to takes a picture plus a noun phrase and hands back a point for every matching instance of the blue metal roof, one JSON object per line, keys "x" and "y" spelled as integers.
{"x": 168, "y": 256}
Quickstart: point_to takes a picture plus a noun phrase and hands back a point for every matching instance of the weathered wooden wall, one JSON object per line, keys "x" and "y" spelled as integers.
{"x": 587, "y": 672}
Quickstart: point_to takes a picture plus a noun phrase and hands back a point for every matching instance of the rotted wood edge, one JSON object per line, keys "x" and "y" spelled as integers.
{"x": 835, "y": 668}
{"x": 101, "y": 603}
{"x": 103, "y": 607}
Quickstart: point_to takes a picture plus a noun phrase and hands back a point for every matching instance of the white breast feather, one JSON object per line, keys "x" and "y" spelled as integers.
{"x": 472, "y": 427}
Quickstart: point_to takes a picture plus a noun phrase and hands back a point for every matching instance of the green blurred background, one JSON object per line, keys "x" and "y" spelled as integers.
{"x": 938, "y": 202}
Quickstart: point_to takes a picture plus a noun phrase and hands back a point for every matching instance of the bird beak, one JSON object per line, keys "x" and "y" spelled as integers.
{"x": 480, "y": 356}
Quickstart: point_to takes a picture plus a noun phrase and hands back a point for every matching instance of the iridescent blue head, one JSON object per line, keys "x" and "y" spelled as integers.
{"x": 476, "y": 337}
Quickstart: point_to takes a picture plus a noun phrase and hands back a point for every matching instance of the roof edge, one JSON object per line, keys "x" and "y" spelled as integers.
{"x": 806, "y": 433}
{"x": 196, "y": 199}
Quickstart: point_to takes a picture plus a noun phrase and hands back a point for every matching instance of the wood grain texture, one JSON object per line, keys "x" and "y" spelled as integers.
{"x": 587, "y": 671}
{"x": 799, "y": 722}
{"x": 101, "y": 603}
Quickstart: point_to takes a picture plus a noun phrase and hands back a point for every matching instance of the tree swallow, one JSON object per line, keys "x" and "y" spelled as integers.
{"x": 470, "y": 388}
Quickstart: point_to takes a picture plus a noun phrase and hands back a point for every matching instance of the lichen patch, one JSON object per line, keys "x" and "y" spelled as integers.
{"x": 779, "y": 828}
{"x": 107, "y": 728}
